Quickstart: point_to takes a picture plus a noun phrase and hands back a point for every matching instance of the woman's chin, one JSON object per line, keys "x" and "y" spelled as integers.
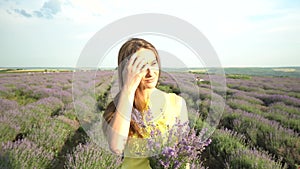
{"x": 149, "y": 85}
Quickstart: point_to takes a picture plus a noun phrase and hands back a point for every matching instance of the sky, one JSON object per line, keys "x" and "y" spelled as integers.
{"x": 52, "y": 33}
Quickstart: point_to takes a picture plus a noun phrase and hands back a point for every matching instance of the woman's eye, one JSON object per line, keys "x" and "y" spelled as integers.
{"x": 153, "y": 63}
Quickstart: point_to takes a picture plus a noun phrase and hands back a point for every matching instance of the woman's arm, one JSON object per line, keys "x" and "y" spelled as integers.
{"x": 118, "y": 128}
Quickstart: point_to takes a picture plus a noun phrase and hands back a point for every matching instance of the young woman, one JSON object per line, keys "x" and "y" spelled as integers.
{"x": 139, "y": 71}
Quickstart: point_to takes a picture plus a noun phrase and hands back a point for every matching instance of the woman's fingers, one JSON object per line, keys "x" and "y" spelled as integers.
{"x": 135, "y": 64}
{"x": 133, "y": 67}
{"x": 132, "y": 59}
{"x": 141, "y": 63}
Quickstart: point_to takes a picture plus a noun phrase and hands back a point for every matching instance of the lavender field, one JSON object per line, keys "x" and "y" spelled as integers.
{"x": 39, "y": 127}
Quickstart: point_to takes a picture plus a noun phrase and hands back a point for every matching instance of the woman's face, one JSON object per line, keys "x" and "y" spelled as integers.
{"x": 150, "y": 78}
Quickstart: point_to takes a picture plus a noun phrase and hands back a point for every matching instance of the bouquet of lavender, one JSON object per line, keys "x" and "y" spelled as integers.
{"x": 180, "y": 149}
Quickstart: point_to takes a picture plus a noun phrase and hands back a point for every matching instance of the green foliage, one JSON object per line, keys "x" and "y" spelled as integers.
{"x": 263, "y": 133}
{"x": 249, "y": 99}
{"x": 229, "y": 150}
{"x": 93, "y": 157}
{"x": 70, "y": 114}
{"x": 34, "y": 136}
{"x": 279, "y": 106}
{"x": 204, "y": 108}
{"x": 239, "y": 76}
{"x": 253, "y": 159}
{"x": 56, "y": 129}
{"x": 203, "y": 82}
{"x": 24, "y": 154}
{"x": 102, "y": 98}
{"x": 224, "y": 144}
{"x": 102, "y": 101}
{"x": 292, "y": 123}
{"x": 244, "y": 105}
{"x": 199, "y": 71}
{"x": 275, "y": 112}
{"x": 242, "y": 88}
{"x": 165, "y": 88}
{"x": 8, "y": 133}
{"x": 22, "y": 97}
{"x": 255, "y": 71}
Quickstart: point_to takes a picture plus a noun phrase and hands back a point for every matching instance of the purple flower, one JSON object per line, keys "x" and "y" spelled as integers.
{"x": 183, "y": 146}
{"x": 169, "y": 152}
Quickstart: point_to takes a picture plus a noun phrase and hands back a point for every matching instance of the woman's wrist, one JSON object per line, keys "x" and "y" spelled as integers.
{"x": 129, "y": 91}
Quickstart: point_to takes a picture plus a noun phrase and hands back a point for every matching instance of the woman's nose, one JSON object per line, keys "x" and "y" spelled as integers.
{"x": 149, "y": 72}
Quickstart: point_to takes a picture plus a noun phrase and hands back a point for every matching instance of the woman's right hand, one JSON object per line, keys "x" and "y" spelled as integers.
{"x": 133, "y": 72}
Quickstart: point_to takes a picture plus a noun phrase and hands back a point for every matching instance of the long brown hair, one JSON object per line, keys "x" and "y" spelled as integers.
{"x": 127, "y": 50}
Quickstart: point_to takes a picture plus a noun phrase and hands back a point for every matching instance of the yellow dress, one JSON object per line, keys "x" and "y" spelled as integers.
{"x": 166, "y": 118}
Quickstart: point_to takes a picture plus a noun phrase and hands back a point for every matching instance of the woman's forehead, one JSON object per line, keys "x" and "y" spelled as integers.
{"x": 147, "y": 54}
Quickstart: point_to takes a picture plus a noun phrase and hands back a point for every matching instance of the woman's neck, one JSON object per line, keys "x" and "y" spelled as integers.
{"x": 142, "y": 98}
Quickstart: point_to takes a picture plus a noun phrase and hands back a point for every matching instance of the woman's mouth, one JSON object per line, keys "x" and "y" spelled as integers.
{"x": 150, "y": 80}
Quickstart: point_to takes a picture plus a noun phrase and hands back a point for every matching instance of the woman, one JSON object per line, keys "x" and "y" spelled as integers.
{"x": 139, "y": 71}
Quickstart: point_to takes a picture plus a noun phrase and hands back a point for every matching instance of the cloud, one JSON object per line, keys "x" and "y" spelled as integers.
{"x": 53, "y": 6}
{"x": 38, "y": 14}
{"x": 23, "y": 13}
{"x": 47, "y": 11}
{"x": 74, "y": 10}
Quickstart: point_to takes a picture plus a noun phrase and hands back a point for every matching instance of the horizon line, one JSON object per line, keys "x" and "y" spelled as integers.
{"x": 69, "y": 67}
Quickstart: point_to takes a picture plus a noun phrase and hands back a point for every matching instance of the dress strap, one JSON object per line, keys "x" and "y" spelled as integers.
{"x": 172, "y": 98}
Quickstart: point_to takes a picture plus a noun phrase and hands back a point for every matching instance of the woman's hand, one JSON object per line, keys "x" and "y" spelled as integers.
{"x": 133, "y": 72}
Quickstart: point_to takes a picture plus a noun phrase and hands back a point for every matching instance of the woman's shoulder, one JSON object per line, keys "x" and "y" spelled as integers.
{"x": 173, "y": 99}
{"x": 170, "y": 95}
